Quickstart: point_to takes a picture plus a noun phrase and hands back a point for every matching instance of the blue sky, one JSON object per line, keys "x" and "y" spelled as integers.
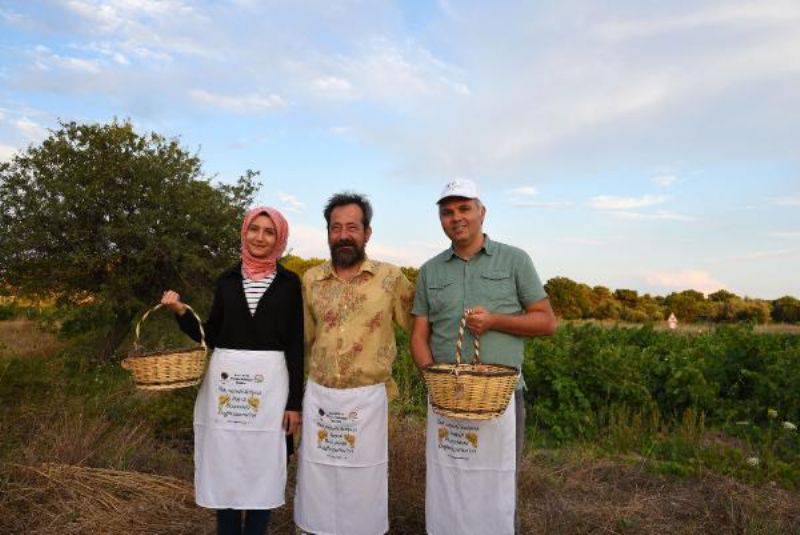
{"x": 646, "y": 145}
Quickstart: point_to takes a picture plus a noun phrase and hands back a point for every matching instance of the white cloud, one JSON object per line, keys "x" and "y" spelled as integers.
{"x": 555, "y": 205}
{"x": 524, "y": 191}
{"x": 611, "y": 202}
{"x": 686, "y": 279}
{"x": 11, "y": 17}
{"x": 787, "y": 235}
{"x": 47, "y": 60}
{"x": 447, "y": 9}
{"x": 308, "y": 241}
{"x": 743, "y": 14}
{"x": 6, "y": 152}
{"x": 664, "y": 181}
{"x": 765, "y": 255}
{"x": 584, "y": 241}
{"x": 393, "y": 73}
{"x": 786, "y": 200}
{"x": 463, "y": 102}
{"x": 341, "y": 131}
{"x": 154, "y": 29}
{"x": 116, "y": 15}
{"x": 291, "y": 202}
{"x": 659, "y": 215}
{"x": 107, "y": 50}
{"x": 333, "y": 86}
{"x": 29, "y": 129}
{"x": 524, "y": 197}
{"x": 401, "y": 256}
{"x": 256, "y": 103}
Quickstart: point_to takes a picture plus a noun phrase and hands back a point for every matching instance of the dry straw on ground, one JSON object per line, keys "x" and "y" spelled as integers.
{"x": 66, "y": 499}
{"x": 622, "y": 496}
{"x": 557, "y": 494}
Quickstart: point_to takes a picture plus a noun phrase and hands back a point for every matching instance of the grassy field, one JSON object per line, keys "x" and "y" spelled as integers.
{"x": 694, "y": 328}
{"x": 630, "y": 431}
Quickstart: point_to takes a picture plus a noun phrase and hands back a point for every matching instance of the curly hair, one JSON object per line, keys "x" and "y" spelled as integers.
{"x": 348, "y": 197}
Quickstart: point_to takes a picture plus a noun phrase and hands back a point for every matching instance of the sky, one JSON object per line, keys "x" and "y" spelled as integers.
{"x": 631, "y": 144}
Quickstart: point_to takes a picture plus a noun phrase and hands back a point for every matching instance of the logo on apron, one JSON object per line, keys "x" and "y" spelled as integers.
{"x": 337, "y": 433}
{"x": 457, "y": 439}
{"x": 239, "y": 397}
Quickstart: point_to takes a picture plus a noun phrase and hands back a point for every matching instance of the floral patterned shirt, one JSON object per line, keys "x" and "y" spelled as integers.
{"x": 349, "y": 333}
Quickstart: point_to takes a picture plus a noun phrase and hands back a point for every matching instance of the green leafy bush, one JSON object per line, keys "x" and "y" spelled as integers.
{"x": 731, "y": 373}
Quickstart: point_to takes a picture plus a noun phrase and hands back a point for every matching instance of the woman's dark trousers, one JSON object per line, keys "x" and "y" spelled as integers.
{"x": 229, "y": 522}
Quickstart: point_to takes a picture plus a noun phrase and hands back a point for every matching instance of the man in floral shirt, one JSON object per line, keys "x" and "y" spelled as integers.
{"x": 351, "y": 304}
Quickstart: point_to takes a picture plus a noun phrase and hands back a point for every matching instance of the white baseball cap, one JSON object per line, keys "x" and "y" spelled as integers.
{"x": 459, "y": 187}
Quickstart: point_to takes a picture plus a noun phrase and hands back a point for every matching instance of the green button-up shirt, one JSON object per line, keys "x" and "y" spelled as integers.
{"x": 500, "y": 278}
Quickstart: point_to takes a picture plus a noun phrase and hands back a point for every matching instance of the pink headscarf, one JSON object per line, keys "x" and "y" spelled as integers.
{"x": 258, "y": 268}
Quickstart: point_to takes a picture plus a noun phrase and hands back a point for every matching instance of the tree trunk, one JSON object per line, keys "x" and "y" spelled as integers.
{"x": 115, "y": 335}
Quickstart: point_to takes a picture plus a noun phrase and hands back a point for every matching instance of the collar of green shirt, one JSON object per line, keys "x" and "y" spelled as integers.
{"x": 489, "y": 247}
{"x": 327, "y": 272}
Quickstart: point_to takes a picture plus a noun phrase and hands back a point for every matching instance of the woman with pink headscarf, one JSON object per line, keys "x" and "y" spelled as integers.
{"x": 249, "y": 404}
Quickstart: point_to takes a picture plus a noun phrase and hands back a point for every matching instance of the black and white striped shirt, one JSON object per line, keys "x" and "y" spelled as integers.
{"x": 253, "y": 290}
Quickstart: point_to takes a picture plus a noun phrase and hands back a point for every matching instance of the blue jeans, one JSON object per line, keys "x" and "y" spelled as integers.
{"x": 229, "y": 522}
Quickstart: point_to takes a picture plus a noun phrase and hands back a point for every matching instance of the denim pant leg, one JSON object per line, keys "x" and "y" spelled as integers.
{"x": 229, "y": 522}
{"x": 256, "y": 521}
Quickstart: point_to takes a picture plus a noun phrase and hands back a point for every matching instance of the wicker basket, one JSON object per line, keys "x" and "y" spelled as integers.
{"x": 474, "y": 391}
{"x": 167, "y": 370}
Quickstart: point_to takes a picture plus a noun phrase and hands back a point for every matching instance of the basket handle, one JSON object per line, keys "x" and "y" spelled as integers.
{"x": 190, "y": 309}
{"x": 476, "y": 341}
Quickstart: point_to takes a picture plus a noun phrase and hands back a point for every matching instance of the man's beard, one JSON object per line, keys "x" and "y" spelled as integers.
{"x": 345, "y": 254}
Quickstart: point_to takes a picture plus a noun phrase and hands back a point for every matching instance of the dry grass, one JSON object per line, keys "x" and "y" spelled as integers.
{"x": 69, "y": 435}
{"x": 619, "y": 496}
{"x": 778, "y": 328}
{"x": 66, "y": 499}
{"x": 25, "y": 338}
{"x": 560, "y": 492}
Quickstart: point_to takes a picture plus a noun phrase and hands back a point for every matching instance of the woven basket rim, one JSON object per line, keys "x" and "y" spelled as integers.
{"x": 166, "y": 353}
{"x": 493, "y": 370}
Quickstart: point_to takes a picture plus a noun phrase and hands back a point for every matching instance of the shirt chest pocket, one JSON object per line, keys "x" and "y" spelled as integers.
{"x": 443, "y": 297}
{"x": 497, "y": 291}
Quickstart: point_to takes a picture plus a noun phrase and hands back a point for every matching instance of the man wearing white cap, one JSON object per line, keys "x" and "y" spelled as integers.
{"x": 471, "y": 483}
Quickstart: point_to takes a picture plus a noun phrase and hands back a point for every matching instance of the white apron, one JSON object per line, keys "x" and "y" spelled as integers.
{"x": 342, "y": 469}
{"x": 470, "y": 483}
{"x": 239, "y": 441}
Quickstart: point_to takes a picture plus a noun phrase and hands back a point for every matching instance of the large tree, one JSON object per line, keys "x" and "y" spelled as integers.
{"x": 100, "y": 213}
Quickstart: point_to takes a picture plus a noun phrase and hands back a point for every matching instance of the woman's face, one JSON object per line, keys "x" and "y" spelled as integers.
{"x": 261, "y": 236}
